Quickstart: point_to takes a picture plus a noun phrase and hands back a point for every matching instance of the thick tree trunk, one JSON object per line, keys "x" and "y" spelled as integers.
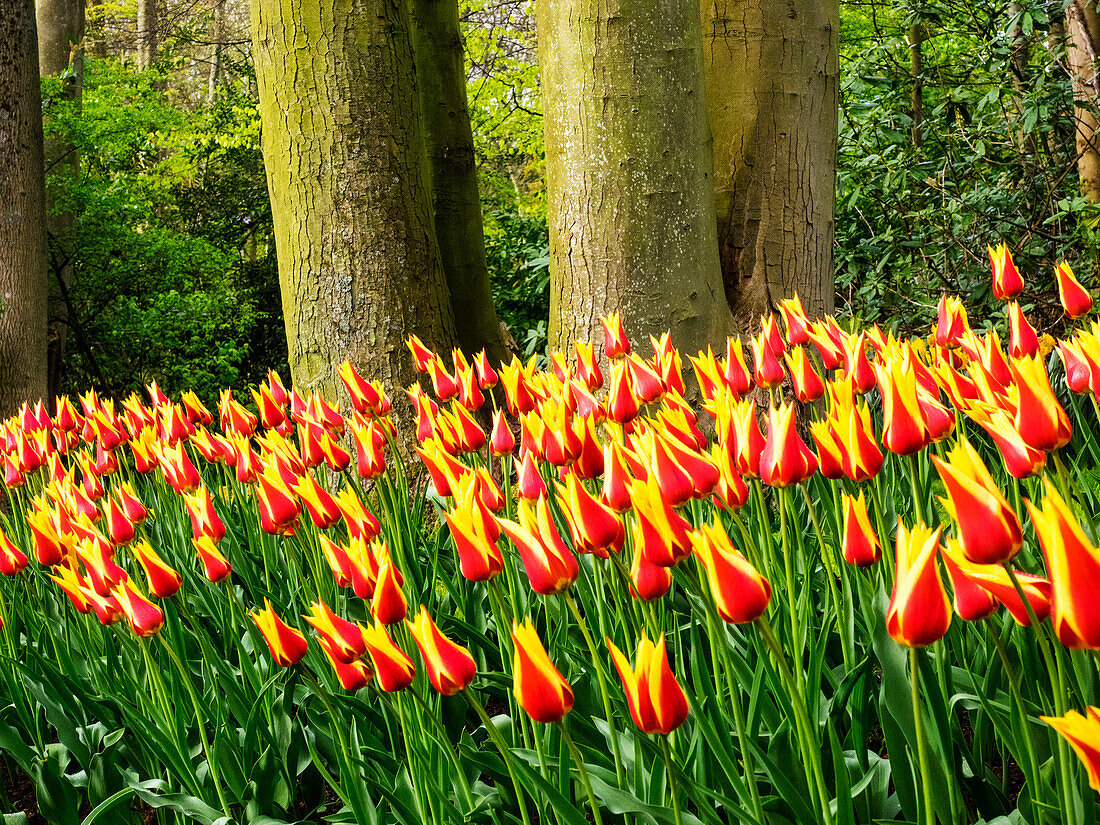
{"x": 148, "y": 33}
{"x": 449, "y": 141}
{"x": 60, "y": 48}
{"x": 772, "y": 86}
{"x": 631, "y": 210}
{"x": 1083, "y": 31}
{"x": 22, "y": 213}
{"x": 359, "y": 265}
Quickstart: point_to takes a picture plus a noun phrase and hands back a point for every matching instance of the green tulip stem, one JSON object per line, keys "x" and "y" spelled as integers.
{"x": 922, "y": 744}
{"x": 502, "y": 746}
{"x": 666, "y": 752}
{"x": 582, "y": 771}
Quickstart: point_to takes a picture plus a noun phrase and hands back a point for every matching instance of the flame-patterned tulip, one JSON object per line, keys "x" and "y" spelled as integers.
{"x": 919, "y": 612}
{"x": 1083, "y": 735}
{"x": 286, "y": 644}
{"x": 861, "y": 547}
{"x": 1007, "y": 283}
{"x": 1076, "y": 300}
{"x": 786, "y": 459}
{"x": 656, "y": 701}
{"x": 393, "y": 667}
{"x": 740, "y": 593}
{"x": 450, "y": 666}
{"x": 538, "y": 686}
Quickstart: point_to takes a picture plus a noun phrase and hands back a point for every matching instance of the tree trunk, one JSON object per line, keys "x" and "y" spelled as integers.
{"x": 359, "y": 266}
{"x": 916, "y": 69}
{"x": 628, "y": 171}
{"x": 214, "y": 79}
{"x": 772, "y": 96}
{"x": 60, "y": 50}
{"x": 147, "y": 33}
{"x": 1083, "y": 31}
{"x": 22, "y": 213}
{"x": 449, "y": 144}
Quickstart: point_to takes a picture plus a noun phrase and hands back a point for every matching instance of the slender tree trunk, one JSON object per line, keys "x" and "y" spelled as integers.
{"x": 449, "y": 141}
{"x": 631, "y": 210}
{"x": 60, "y": 52}
{"x": 916, "y": 69}
{"x": 214, "y": 79}
{"x": 772, "y": 94}
{"x": 1083, "y": 31}
{"x": 22, "y": 213}
{"x": 148, "y": 33}
{"x": 359, "y": 266}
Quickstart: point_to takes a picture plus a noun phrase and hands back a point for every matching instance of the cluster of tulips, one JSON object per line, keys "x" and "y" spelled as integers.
{"x": 645, "y": 522}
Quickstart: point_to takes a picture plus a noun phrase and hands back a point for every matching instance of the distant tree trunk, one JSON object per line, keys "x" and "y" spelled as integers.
{"x": 22, "y": 213}
{"x": 148, "y": 33}
{"x": 916, "y": 69}
{"x": 449, "y": 141}
{"x": 359, "y": 266}
{"x": 214, "y": 79}
{"x": 772, "y": 96}
{"x": 630, "y": 195}
{"x": 1083, "y": 30}
{"x": 60, "y": 48}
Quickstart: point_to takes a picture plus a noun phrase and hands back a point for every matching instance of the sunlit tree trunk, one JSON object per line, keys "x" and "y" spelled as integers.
{"x": 214, "y": 79}
{"x": 630, "y": 195}
{"x": 1083, "y": 38}
{"x": 60, "y": 52}
{"x": 449, "y": 144}
{"x": 772, "y": 85}
{"x": 148, "y": 33}
{"x": 22, "y": 213}
{"x": 359, "y": 266}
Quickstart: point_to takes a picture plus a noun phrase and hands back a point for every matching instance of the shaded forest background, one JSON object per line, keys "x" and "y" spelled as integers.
{"x": 956, "y": 130}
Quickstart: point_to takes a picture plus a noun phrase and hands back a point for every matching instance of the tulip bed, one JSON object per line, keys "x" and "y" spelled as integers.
{"x": 578, "y": 600}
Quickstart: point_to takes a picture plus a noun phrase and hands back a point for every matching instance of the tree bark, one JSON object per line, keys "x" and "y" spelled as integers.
{"x": 22, "y": 213}
{"x": 1083, "y": 33}
{"x": 359, "y": 265}
{"x": 449, "y": 144}
{"x": 60, "y": 52}
{"x": 214, "y": 79}
{"x": 916, "y": 69}
{"x": 631, "y": 214}
{"x": 148, "y": 33}
{"x": 772, "y": 95}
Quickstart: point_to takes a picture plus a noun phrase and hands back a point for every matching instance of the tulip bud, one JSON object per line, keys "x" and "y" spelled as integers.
{"x": 1083, "y": 735}
{"x": 740, "y": 593}
{"x": 861, "y": 547}
{"x": 1007, "y": 283}
{"x": 1076, "y": 300}
{"x": 919, "y": 612}
{"x": 286, "y": 644}
{"x": 538, "y": 686}
{"x": 656, "y": 701}
{"x": 450, "y": 666}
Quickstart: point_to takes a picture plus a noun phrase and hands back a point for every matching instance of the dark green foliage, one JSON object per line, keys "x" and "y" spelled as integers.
{"x": 996, "y": 161}
{"x": 517, "y": 251}
{"x": 174, "y": 275}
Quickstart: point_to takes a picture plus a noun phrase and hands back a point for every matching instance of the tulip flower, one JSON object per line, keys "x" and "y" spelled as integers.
{"x": 593, "y": 525}
{"x": 346, "y": 637}
{"x": 450, "y": 666}
{"x": 767, "y": 371}
{"x": 903, "y": 430}
{"x": 501, "y": 441}
{"x": 353, "y": 676}
{"x": 731, "y": 491}
{"x": 830, "y": 455}
{"x": 1082, "y": 369}
{"x": 49, "y": 549}
{"x": 748, "y": 438}
{"x": 952, "y": 321}
{"x": 529, "y": 483}
{"x": 993, "y": 579}
{"x": 807, "y": 384}
{"x": 422, "y": 356}
{"x": 319, "y": 503}
{"x": 286, "y": 644}
{"x": 857, "y": 368}
{"x": 475, "y": 535}
{"x": 486, "y": 376}
{"x": 657, "y": 702}
{"x": 740, "y": 593}
{"x": 989, "y": 531}
{"x": 338, "y": 561}
{"x": 1040, "y": 419}
{"x": 363, "y": 395}
{"x": 1020, "y": 459}
{"x": 1074, "y": 566}
{"x": 119, "y": 527}
{"x": 361, "y": 523}
{"x": 663, "y": 534}
{"x": 861, "y": 546}
{"x": 1076, "y": 300}
{"x": 144, "y": 617}
{"x": 648, "y": 582}
{"x": 738, "y": 378}
{"x": 796, "y": 321}
{"x": 204, "y": 519}
{"x": 919, "y": 612}
{"x": 971, "y": 601}
{"x": 622, "y": 404}
{"x": 538, "y": 686}
{"x": 388, "y": 604}
{"x": 279, "y": 507}
{"x": 215, "y": 566}
{"x": 393, "y": 667}
{"x": 1022, "y": 340}
{"x": 517, "y": 393}
{"x": 178, "y": 470}
{"x": 1007, "y": 283}
{"x": 550, "y": 566}
{"x": 616, "y": 343}
{"x": 12, "y": 559}
{"x": 370, "y": 444}
{"x": 786, "y": 460}
{"x": 233, "y": 417}
{"x": 1083, "y": 735}
{"x": 363, "y": 564}
{"x": 164, "y": 582}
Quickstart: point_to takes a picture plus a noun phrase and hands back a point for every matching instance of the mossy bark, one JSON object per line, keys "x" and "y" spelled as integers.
{"x": 22, "y": 213}
{"x": 628, "y": 166}
{"x": 148, "y": 33}
{"x": 772, "y": 85}
{"x": 1082, "y": 52}
{"x": 60, "y": 52}
{"x": 449, "y": 147}
{"x": 359, "y": 266}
